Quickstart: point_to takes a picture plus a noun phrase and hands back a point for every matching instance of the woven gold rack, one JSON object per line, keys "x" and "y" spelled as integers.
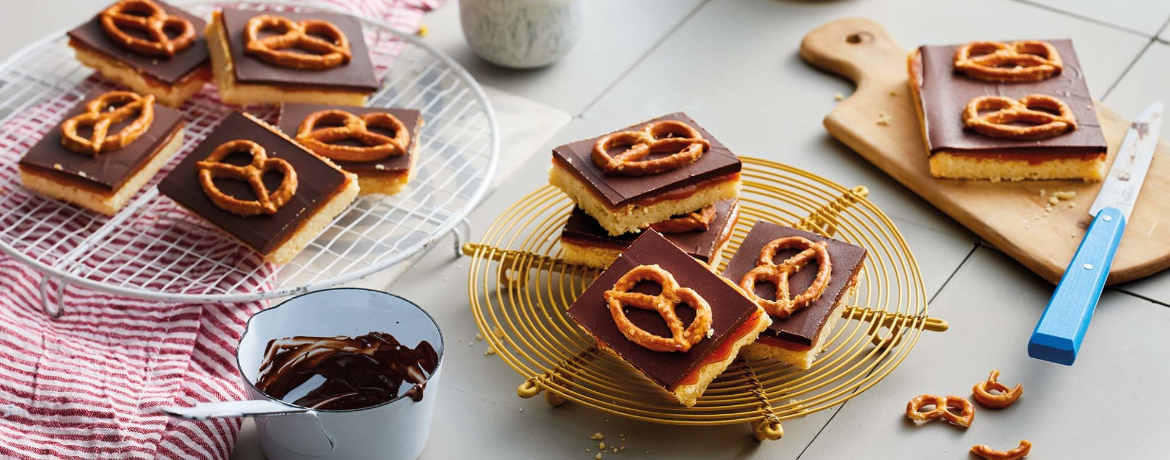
{"x": 519, "y": 290}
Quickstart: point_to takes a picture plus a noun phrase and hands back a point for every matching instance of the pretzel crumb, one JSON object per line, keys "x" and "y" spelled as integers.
{"x": 615, "y": 450}
{"x": 601, "y": 445}
{"x": 598, "y": 456}
{"x": 489, "y": 351}
{"x": 597, "y": 436}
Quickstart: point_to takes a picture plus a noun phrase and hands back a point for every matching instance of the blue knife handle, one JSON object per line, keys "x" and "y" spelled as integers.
{"x": 1058, "y": 335}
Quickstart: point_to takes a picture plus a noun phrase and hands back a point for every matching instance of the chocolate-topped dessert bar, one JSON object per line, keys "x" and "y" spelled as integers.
{"x": 101, "y": 172}
{"x": 819, "y": 272}
{"x": 148, "y": 46}
{"x": 379, "y": 145}
{"x": 273, "y": 57}
{"x": 646, "y": 173}
{"x": 711, "y": 317}
{"x": 261, "y": 188}
{"x": 584, "y": 242}
{"x": 1007, "y": 111}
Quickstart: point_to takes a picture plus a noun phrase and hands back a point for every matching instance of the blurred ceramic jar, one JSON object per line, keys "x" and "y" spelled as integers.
{"x": 521, "y": 34}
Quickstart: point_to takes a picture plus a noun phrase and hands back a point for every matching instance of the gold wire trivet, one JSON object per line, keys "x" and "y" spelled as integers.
{"x": 519, "y": 305}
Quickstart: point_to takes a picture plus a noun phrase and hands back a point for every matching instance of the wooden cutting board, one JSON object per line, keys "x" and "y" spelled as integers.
{"x": 1011, "y": 216}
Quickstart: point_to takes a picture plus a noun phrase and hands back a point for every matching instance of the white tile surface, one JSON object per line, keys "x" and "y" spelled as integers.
{"x": 992, "y": 306}
{"x": 617, "y": 33}
{"x": 747, "y": 85}
{"x": 1141, "y": 16}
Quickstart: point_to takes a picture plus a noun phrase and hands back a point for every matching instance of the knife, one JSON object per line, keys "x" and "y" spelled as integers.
{"x": 1058, "y": 335}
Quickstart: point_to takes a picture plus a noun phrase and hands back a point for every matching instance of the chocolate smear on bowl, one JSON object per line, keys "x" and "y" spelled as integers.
{"x": 359, "y": 372}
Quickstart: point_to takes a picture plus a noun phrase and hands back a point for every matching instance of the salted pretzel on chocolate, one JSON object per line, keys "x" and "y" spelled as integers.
{"x": 942, "y": 409}
{"x": 147, "y": 17}
{"x": 1021, "y": 61}
{"x": 766, "y": 270}
{"x": 665, "y": 303}
{"x": 695, "y": 221}
{"x": 102, "y": 113}
{"x": 1017, "y": 453}
{"x": 683, "y": 141}
{"x": 1033, "y": 109}
{"x": 253, "y": 173}
{"x": 376, "y": 146}
{"x": 1003, "y": 397}
{"x": 319, "y": 54}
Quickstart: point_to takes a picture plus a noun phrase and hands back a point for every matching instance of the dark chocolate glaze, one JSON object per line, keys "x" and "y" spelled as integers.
{"x": 317, "y": 181}
{"x": 729, "y": 309}
{"x": 167, "y": 70}
{"x": 359, "y": 372}
{"x": 107, "y": 171}
{"x": 700, "y": 245}
{"x": 291, "y": 116}
{"x": 357, "y": 75}
{"x": 802, "y": 327}
{"x": 622, "y": 190}
{"x": 944, "y": 93}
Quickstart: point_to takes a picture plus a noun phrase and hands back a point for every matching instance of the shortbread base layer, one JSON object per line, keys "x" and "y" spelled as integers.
{"x": 170, "y": 95}
{"x": 949, "y": 165}
{"x": 234, "y": 92}
{"x": 634, "y": 217}
{"x": 389, "y": 184}
{"x": 801, "y": 359}
{"x": 106, "y": 203}
{"x": 603, "y": 256}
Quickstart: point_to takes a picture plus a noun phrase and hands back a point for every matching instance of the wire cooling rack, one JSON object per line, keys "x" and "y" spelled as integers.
{"x": 519, "y": 291}
{"x": 154, "y": 250}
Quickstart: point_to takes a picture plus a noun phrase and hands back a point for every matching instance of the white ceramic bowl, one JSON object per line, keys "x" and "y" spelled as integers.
{"x": 394, "y": 430}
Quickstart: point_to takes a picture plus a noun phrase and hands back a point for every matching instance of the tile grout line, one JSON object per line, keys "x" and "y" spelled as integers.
{"x": 643, "y": 57}
{"x": 1140, "y": 296}
{"x": 1093, "y": 20}
{"x": 928, "y": 302}
{"x": 1129, "y": 67}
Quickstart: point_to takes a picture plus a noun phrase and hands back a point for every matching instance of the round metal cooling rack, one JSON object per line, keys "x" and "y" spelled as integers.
{"x": 519, "y": 291}
{"x": 153, "y": 250}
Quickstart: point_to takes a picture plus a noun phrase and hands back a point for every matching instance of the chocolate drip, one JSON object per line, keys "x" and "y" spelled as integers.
{"x": 359, "y": 372}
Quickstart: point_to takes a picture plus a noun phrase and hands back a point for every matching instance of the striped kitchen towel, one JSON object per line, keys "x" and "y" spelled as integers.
{"x": 87, "y": 385}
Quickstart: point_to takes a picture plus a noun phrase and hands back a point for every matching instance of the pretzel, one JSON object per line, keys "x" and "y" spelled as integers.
{"x": 265, "y": 203}
{"x": 101, "y": 115}
{"x": 1031, "y": 60}
{"x": 942, "y": 408}
{"x": 988, "y": 453}
{"x": 659, "y": 137}
{"x": 1000, "y": 123}
{"x": 665, "y": 304}
{"x": 146, "y": 16}
{"x": 376, "y": 146}
{"x": 319, "y": 54}
{"x": 785, "y": 305}
{"x": 690, "y": 222}
{"x": 1005, "y": 396}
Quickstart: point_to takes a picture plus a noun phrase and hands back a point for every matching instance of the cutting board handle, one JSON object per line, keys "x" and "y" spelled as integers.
{"x": 855, "y": 48}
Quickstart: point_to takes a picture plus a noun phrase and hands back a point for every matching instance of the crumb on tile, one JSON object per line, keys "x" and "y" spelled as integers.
{"x": 423, "y": 30}
{"x": 597, "y": 436}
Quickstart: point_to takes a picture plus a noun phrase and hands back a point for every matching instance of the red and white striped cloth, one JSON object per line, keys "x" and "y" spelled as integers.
{"x": 86, "y": 385}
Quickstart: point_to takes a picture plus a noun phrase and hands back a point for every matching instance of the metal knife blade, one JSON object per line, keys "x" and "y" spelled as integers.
{"x": 1121, "y": 187}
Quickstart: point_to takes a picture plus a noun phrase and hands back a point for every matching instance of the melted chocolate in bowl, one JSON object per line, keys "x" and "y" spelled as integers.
{"x": 359, "y": 372}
